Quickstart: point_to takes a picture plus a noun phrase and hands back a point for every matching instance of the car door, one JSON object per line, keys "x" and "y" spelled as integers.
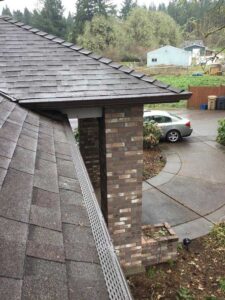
{"x": 164, "y": 122}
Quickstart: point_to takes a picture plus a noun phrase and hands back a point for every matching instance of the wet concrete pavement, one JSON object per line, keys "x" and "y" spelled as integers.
{"x": 189, "y": 193}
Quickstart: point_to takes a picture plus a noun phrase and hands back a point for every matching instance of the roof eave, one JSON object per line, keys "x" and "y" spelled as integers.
{"x": 75, "y": 103}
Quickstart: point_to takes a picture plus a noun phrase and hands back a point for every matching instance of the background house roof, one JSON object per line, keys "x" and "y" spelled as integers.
{"x": 47, "y": 246}
{"x": 175, "y": 49}
{"x": 198, "y": 43}
{"x": 40, "y": 68}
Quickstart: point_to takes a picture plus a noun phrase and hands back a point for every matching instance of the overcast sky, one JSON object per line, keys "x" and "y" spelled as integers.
{"x": 68, "y": 4}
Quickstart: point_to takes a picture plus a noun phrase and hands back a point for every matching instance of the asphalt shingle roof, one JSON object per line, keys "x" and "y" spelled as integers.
{"x": 40, "y": 68}
{"x": 47, "y": 249}
{"x": 198, "y": 43}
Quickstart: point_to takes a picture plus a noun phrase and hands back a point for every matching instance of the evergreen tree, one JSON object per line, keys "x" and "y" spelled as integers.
{"x": 99, "y": 34}
{"x": 104, "y": 8}
{"x": 69, "y": 26}
{"x": 51, "y": 18}
{"x": 162, "y": 7}
{"x": 86, "y": 10}
{"x": 18, "y": 15}
{"x": 27, "y": 16}
{"x": 128, "y": 5}
{"x": 6, "y": 11}
{"x": 152, "y": 7}
{"x": 84, "y": 13}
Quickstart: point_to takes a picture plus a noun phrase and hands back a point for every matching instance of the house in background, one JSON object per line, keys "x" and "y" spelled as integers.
{"x": 197, "y": 48}
{"x": 169, "y": 55}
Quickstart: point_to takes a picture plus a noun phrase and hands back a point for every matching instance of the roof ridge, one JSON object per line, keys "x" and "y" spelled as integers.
{"x": 106, "y": 61}
{"x": 3, "y": 94}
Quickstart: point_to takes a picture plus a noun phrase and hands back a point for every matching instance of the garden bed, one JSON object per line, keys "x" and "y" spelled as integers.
{"x": 154, "y": 162}
{"x": 197, "y": 274}
{"x": 159, "y": 244}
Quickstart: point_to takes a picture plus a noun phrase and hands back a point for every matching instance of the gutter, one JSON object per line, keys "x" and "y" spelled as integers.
{"x": 114, "y": 278}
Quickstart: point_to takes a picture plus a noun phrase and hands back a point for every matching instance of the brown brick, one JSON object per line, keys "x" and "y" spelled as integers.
{"x": 124, "y": 163}
{"x": 89, "y": 147}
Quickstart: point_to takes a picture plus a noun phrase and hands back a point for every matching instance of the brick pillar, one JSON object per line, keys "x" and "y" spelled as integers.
{"x": 89, "y": 147}
{"x": 122, "y": 181}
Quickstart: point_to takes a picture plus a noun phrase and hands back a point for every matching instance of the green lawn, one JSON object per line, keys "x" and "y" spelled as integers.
{"x": 183, "y": 81}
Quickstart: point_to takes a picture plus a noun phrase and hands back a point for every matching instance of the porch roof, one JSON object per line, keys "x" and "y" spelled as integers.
{"x": 43, "y": 71}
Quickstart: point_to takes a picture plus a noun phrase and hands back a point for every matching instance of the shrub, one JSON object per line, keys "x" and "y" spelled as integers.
{"x": 152, "y": 134}
{"x": 184, "y": 294}
{"x": 222, "y": 284}
{"x": 76, "y": 135}
{"x": 221, "y": 132}
{"x": 218, "y": 234}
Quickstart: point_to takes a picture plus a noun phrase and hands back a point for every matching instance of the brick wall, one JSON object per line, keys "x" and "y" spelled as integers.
{"x": 122, "y": 179}
{"x": 89, "y": 147}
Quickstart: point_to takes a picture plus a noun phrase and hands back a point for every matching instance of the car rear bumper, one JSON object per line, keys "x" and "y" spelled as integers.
{"x": 187, "y": 133}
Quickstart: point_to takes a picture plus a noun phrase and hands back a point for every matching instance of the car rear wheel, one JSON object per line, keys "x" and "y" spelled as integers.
{"x": 173, "y": 136}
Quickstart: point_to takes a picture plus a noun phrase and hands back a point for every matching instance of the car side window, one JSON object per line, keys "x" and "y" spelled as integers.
{"x": 148, "y": 119}
{"x": 162, "y": 119}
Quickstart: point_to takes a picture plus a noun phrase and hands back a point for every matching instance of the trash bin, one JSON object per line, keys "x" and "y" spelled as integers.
{"x": 220, "y": 103}
{"x": 204, "y": 106}
{"x": 212, "y": 102}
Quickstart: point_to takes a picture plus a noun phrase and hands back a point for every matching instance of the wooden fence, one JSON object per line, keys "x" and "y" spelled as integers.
{"x": 200, "y": 94}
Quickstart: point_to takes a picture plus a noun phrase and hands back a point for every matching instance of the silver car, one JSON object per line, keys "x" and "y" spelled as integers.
{"x": 173, "y": 127}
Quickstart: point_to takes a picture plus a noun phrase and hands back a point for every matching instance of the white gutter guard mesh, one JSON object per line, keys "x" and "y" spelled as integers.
{"x": 115, "y": 281}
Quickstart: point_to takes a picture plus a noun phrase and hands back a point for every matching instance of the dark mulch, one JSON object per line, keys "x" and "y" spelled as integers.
{"x": 197, "y": 274}
{"x": 154, "y": 161}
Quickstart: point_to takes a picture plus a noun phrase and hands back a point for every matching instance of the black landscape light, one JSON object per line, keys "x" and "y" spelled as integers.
{"x": 186, "y": 243}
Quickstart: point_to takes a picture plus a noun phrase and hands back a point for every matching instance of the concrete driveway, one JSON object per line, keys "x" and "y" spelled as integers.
{"x": 189, "y": 193}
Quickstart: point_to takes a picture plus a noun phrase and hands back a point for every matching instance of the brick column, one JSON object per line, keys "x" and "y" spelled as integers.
{"x": 122, "y": 181}
{"x": 89, "y": 147}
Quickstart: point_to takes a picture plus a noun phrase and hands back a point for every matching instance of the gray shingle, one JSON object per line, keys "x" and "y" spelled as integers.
{"x": 86, "y": 281}
{"x": 15, "y": 196}
{"x": 31, "y": 127}
{"x": 23, "y": 160}
{"x": 46, "y": 156}
{"x": 74, "y": 214}
{"x": 27, "y": 142}
{"x": 45, "y": 210}
{"x": 12, "y": 248}
{"x": 46, "y": 145}
{"x": 44, "y": 198}
{"x": 45, "y": 176}
{"x": 18, "y": 115}
{"x": 10, "y": 289}
{"x": 10, "y": 131}
{"x": 45, "y": 243}
{"x": 79, "y": 243}
{"x": 69, "y": 184}
{"x": 63, "y": 156}
{"x": 7, "y": 148}
{"x": 46, "y": 217}
{"x": 66, "y": 168}
{"x": 62, "y": 148}
{"x": 71, "y": 197}
{"x": 46, "y": 129}
{"x": 28, "y": 131}
{"x": 2, "y": 176}
{"x": 44, "y": 280}
{"x": 32, "y": 119}
{"x": 4, "y": 162}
